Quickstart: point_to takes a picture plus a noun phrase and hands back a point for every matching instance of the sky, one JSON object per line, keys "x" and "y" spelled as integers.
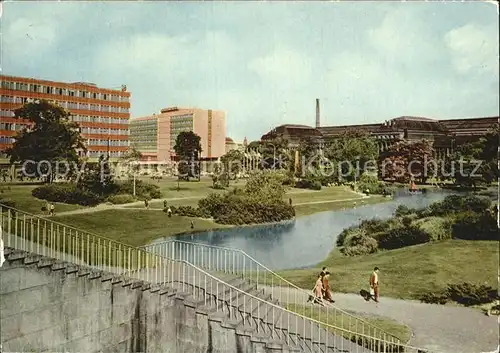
{"x": 265, "y": 63}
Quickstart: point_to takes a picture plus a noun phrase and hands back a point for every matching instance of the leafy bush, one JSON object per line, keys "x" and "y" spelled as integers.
{"x": 121, "y": 199}
{"x": 375, "y": 225}
{"x": 404, "y": 210}
{"x": 401, "y": 237}
{"x": 261, "y": 201}
{"x": 435, "y": 298}
{"x": 457, "y": 203}
{"x": 143, "y": 190}
{"x": 360, "y": 244}
{"x": 371, "y": 184}
{"x": 345, "y": 234}
{"x": 472, "y": 294}
{"x": 438, "y": 228}
{"x": 474, "y": 226}
{"x": 66, "y": 193}
{"x": 308, "y": 183}
{"x": 464, "y": 293}
{"x": 186, "y": 211}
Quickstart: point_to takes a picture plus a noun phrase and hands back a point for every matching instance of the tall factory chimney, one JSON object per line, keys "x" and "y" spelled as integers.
{"x": 317, "y": 113}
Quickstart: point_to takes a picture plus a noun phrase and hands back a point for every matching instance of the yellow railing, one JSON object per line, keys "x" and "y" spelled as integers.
{"x": 293, "y": 324}
{"x": 236, "y": 262}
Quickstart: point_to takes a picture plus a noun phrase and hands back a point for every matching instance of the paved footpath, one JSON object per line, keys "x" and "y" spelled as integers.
{"x": 140, "y": 205}
{"x": 439, "y": 328}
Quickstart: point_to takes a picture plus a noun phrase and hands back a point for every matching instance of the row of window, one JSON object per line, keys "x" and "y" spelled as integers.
{"x": 182, "y": 117}
{"x": 112, "y": 154}
{"x": 4, "y": 139}
{"x": 11, "y": 126}
{"x": 98, "y": 119}
{"x": 102, "y": 131}
{"x": 69, "y": 105}
{"x": 37, "y": 88}
{"x": 98, "y": 142}
{"x": 81, "y": 118}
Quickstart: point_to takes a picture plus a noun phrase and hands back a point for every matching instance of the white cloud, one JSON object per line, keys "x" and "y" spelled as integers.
{"x": 474, "y": 48}
{"x": 404, "y": 36}
{"x": 27, "y": 39}
{"x": 284, "y": 67}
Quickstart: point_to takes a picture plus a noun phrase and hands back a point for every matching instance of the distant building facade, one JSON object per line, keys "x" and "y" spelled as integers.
{"x": 102, "y": 114}
{"x": 155, "y": 135}
{"x": 232, "y": 145}
{"x": 445, "y": 135}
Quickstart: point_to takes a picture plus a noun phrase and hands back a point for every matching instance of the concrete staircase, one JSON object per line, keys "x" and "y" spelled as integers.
{"x": 227, "y": 306}
{"x": 234, "y": 321}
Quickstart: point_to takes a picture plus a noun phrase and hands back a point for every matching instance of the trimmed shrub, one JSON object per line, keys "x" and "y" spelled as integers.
{"x": 467, "y": 294}
{"x": 360, "y": 244}
{"x": 346, "y": 233}
{"x": 186, "y": 211}
{"x": 375, "y": 225}
{"x": 308, "y": 183}
{"x": 438, "y": 228}
{"x": 121, "y": 199}
{"x": 143, "y": 190}
{"x": 401, "y": 237}
{"x": 472, "y": 294}
{"x": 457, "y": 203}
{"x": 66, "y": 193}
{"x": 474, "y": 226}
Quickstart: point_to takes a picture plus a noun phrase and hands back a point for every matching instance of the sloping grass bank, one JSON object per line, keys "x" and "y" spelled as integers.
{"x": 409, "y": 272}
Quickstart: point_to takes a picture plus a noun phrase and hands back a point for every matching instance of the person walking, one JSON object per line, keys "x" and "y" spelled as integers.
{"x": 318, "y": 290}
{"x": 374, "y": 284}
{"x": 323, "y": 272}
{"x": 169, "y": 212}
{"x": 326, "y": 288}
{"x": 52, "y": 210}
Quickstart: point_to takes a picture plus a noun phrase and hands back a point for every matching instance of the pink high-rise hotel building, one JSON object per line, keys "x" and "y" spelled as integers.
{"x": 155, "y": 135}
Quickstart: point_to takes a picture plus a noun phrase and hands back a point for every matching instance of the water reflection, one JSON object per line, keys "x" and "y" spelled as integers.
{"x": 307, "y": 240}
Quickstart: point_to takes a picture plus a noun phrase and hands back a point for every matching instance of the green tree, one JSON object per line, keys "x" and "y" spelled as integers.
{"x": 309, "y": 157}
{"x": 406, "y": 161}
{"x": 51, "y": 137}
{"x": 474, "y": 162}
{"x": 275, "y": 154}
{"x": 220, "y": 178}
{"x": 188, "y": 149}
{"x": 232, "y": 163}
{"x": 98, "y": 178}
{"x": 266, "y": 185}
{"x": 131, "y": 159}
{"x": 352, "y": 153}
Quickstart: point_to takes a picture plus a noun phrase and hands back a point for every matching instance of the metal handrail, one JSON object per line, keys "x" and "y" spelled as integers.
{"x": 47, "y": 238}
{"x": 319, "y": 324}
{"x": 280, "y": 278}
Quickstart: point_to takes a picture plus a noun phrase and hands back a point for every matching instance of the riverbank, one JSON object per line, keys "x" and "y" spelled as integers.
{"x": 137, "y": 226}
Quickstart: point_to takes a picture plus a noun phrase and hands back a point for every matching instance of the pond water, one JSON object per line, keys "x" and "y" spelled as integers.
{"x": 307, "y": 240}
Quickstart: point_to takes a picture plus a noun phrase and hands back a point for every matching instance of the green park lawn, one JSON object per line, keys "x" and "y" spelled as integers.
{"x": 24, "y": 201}
{"x": 407, "y": 273}
{"x": 134, "y": 227}
{"x": 137, "y": 227}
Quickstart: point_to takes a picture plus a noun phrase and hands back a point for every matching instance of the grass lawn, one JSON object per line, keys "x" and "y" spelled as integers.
{"x": 134, "y": 227}
{"x": 409, "y": 272}
{"x": 24, "y": 201}
{"x": 395, "y": 328}
{"x": 307, "y": 209}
